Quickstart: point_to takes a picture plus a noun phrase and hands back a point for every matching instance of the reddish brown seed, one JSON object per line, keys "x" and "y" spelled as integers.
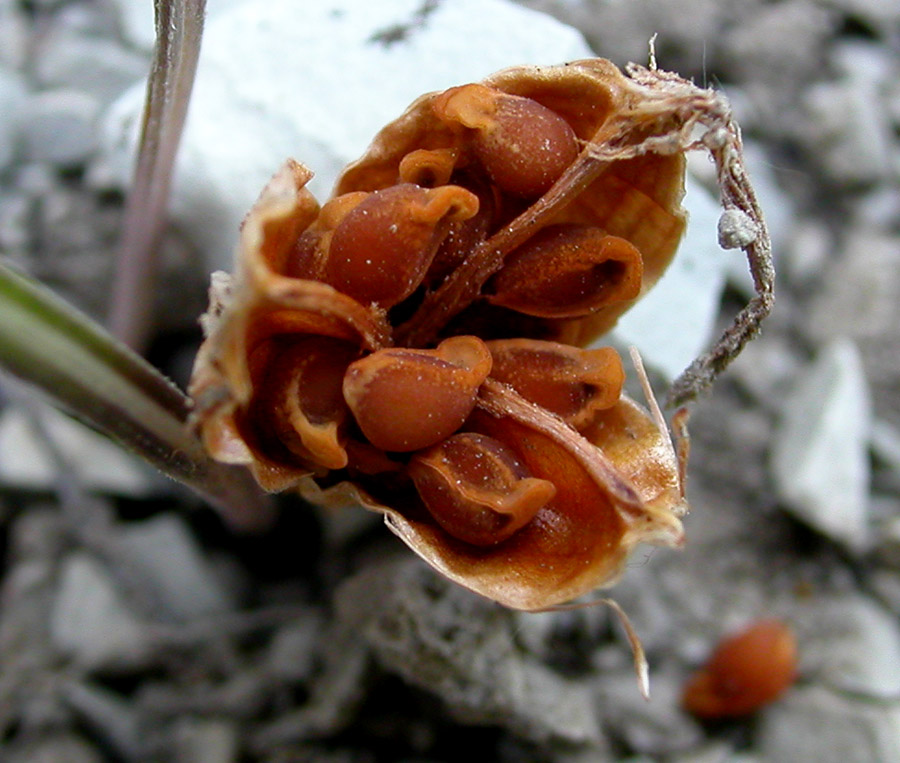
{"x": 747, "y": 671}
{"x": 523, "y": 146}
{"x": 476, "y": 488}
{"x": 405, "y": 400}
{"x": 568, "y": 381}
{"x": 381, "y": 249}
{"x": 568, "y": 271}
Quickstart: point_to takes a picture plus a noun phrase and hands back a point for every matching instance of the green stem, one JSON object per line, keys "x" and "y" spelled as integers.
{"x": 49, "y": 344}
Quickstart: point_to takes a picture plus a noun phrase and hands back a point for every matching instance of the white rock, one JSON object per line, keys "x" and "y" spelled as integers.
{"x": 875, "y": 12}
{"x": 886, "y": 586}
{"x": 807, "y": 251}
{"x": 819, "y": 459}
{"x": 648, "y": 727}
{"x": 136, "y": 23}
{"x": 812, "y": 724}
{"x": 15, "y": 35}
{"x": 277, "y": 79}
{"x": 174, "y": 568}
{"x": 101, "y": 67}
{"x": 867, "y": 266}
{"x": 849, "y": 129}
{"x": 52, "y": 748}
{"x": 61, "y": 126}
{"x": 97, "y": 463}
{"x": 15, "y": 222}
{"x": 12, "y": 100}
{"x": 852, "y": 645}
{"x": 292, "y": 654}
{"x": 90, "y": 620}
{"x": 457, "y": 645}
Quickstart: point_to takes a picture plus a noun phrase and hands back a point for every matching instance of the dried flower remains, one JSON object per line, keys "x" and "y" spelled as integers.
{"x": 417, "y": 343}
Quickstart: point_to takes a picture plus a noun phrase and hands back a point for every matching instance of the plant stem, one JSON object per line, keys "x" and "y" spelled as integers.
{"x": 179, "y": 30}
{"x": 49, "y": 344}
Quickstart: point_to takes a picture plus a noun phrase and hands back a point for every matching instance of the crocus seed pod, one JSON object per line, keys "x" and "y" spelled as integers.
{"x": 523, "y": 146}
{"x": 538, "y": 205}
{"x": 406, "y": 399}
{"x": 567, "y": 271}
{"x": 476, "y": 488}
{"x": 568, "y": 381}
{"x": 381, "y": 249}
{"x": 747, "y": 671}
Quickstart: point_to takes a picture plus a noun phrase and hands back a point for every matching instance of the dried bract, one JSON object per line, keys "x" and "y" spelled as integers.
{"x": 415, "y": 344}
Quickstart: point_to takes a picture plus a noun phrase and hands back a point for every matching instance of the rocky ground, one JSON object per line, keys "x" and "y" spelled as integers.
{"x": 134, "y": 626}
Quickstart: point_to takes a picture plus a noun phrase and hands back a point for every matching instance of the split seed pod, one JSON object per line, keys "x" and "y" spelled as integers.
{"x": 415, "y": 345}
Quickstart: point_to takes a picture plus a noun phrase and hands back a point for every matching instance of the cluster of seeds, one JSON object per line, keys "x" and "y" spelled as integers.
{"x": 416, "y": 344}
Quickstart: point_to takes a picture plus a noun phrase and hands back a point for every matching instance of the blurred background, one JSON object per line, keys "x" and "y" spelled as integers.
{"x": 135, "y": 626}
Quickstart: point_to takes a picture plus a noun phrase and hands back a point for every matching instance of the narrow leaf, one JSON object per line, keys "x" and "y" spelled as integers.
{"x": 49, "y": 344}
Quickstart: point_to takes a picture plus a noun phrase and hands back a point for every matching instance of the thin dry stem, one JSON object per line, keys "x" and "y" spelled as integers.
{"x": 179, "y": 28}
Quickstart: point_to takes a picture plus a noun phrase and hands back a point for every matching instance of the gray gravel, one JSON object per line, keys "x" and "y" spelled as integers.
{"x": 135, "y": 627}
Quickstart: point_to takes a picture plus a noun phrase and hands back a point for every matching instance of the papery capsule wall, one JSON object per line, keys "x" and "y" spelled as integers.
{"x": 346, "y": 358}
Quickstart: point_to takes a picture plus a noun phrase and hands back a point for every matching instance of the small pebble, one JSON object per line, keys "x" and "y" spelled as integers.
{"x": 173, "y": 567}
{"x": 90, "y": 64}
{"x": 815, "y": 724}
{"x": 91, "y": 621}
{"x": 820, "y": 458}
{"x": 13, "y": 97}
{"x": 61, "y": 127}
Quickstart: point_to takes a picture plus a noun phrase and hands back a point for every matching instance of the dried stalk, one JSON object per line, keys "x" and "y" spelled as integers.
{"x": 179, "y": 29}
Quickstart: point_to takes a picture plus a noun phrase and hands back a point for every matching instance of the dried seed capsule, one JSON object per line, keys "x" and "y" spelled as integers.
{"x": 747, "y": 670}
{"x": 567, "y": 271}
{"x": 523, "y": 145}
{"x": 406, "y": 400}
{"x": 476, "y": 488}
{"x": 568, "y": 381}
{"x": 299, "y": 396}
{"x": 382, "y": 247}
